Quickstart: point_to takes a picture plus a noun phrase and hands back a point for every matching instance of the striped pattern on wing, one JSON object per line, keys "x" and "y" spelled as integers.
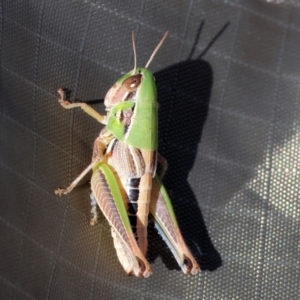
{"x": 168, "y": 228}
{"x": 133, "y": 261}
{"x": 127, "y": 161}
{"x": 107, "y": 205}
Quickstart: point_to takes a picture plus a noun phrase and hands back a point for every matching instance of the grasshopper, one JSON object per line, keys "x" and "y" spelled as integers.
{"x": 131, "y": 122}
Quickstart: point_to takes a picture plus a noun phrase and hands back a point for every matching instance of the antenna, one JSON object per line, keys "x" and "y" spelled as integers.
{"x": 156, "y": 49}
{"x": 134, "y": 51}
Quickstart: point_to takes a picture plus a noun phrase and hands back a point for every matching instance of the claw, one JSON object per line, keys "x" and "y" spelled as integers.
{"x": 59, "y": 192}
{"x": 64, "y": 96}
{"x": 64, "y": 93}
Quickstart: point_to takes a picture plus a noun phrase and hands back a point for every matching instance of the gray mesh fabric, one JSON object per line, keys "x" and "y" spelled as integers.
{"x": 228, "y": 81}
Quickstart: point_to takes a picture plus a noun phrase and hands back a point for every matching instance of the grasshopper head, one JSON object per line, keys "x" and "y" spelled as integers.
{"x": 126, "y": 87}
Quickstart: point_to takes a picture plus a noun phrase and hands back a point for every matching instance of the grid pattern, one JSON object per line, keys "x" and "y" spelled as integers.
{"x": 228, "y": 81}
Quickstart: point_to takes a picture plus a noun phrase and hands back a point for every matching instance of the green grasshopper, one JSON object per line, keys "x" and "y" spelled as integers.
{"x": 132, "y": 122}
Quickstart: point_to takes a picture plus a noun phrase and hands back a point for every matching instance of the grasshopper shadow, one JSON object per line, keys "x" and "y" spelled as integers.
{"x": 184, "y": 91}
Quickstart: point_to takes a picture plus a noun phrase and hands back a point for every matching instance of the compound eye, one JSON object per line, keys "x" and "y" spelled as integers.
{"x": 132, "y": 83}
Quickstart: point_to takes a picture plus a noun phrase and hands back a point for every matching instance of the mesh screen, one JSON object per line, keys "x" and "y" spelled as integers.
{"x": 228, "y": 87}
